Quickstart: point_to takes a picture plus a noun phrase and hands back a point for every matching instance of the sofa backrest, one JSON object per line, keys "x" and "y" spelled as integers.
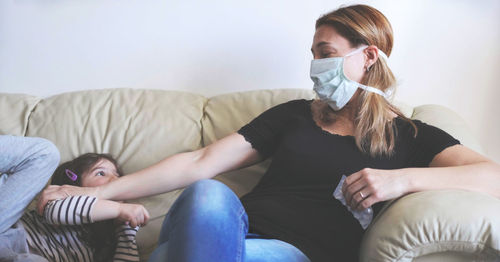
{"x": 140, "y": 127}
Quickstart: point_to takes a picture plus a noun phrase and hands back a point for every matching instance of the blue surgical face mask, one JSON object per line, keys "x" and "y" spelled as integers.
{"x": 332, "y": 85}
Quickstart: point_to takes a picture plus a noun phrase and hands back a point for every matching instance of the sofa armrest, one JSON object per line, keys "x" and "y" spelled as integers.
{"x": 431, "y": 222}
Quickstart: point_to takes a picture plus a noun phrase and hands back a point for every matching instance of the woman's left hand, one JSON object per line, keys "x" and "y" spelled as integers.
{"x": 369, "y": 186}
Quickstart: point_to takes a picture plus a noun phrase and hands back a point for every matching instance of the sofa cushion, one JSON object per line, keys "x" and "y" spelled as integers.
{"x": 138, "y": 127}
{"x": 15, "y": 110}
{"x": 427, "y": 223}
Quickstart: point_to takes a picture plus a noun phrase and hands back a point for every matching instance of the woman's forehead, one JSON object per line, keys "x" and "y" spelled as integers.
{"x": 327, "y": 36}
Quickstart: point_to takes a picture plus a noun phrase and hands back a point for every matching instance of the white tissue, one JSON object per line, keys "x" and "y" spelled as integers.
{"x": 364, "y": 216}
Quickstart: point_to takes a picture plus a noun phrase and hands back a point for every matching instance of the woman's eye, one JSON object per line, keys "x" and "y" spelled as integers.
{"x": 325, "y": 55}
{"x": 100, "y": 173}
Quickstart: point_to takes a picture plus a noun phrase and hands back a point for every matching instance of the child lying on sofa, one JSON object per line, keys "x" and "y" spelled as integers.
{"x": 75, "y": 228}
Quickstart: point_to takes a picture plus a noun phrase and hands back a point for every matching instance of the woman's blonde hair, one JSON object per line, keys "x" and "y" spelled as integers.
{"x": 374, "y": 131}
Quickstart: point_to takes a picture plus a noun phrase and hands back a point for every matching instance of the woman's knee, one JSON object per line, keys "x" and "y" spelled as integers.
{"x": 207, "y": 199}
{"x": 211, "y": 194}
{"x": 209, "y": 188}
{"x": 207, "y": 208}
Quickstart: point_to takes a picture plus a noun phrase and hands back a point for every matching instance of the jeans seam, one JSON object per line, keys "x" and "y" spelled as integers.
{"x": 239, "y": 251}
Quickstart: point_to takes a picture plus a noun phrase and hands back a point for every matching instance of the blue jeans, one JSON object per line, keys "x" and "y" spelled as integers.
{"x": 26, "y": 164}
{"x": 208, "y": 223}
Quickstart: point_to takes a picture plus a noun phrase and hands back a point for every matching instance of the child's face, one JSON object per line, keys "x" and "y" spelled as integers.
{"x": 101, "y": 173}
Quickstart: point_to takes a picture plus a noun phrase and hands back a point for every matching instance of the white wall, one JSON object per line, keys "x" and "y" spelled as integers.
{"x": 446, "y": 52}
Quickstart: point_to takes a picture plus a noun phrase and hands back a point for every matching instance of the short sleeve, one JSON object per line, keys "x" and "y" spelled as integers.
{"x": 429, "y": 142}
{"x": 265, "y": 132}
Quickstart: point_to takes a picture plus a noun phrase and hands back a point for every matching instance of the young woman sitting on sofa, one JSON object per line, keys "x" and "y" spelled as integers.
{"x": 352, "y": 130}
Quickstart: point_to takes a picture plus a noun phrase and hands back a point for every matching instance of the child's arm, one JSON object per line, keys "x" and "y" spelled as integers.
{"x": 73, "y": 210}
{"x": 126, "y": 246}
{"x": 132, "y": 214}
{"x": 77, "y": 210}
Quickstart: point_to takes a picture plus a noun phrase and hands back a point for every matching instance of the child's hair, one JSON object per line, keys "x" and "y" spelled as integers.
{"x": 79, "y": 166}
{"x": 100, "y": 236}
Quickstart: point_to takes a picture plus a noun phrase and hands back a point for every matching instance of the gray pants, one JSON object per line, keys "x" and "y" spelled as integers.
{"x": 26, "y": 164}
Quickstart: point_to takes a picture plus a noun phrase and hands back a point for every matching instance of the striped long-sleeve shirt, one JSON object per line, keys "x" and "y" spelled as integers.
{"x": 57, "y": 235}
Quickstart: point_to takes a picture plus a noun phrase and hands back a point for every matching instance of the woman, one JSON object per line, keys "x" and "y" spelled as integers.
{"x": 350, "y": 130}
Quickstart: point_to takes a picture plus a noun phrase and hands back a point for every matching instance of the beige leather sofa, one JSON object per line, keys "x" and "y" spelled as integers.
{"x": 141, "y": 127}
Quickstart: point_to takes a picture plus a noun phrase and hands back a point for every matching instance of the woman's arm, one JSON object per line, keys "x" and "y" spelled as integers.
{"x": 456, "y": 167}
{"x": 177, "y": 171}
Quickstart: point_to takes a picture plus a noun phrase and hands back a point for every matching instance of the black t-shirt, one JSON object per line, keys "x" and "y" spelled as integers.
{"x": 294, "y": 199}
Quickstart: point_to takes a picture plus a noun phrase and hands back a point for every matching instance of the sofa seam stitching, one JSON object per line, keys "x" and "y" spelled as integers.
{"x": 483, "y": 244}
{"x": 25, "y": 131}
{"x": 202, "y": 128}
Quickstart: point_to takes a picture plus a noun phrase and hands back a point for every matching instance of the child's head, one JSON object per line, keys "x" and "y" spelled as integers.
{"x": 87, "y": 170}
{"x": 91, "y": 170}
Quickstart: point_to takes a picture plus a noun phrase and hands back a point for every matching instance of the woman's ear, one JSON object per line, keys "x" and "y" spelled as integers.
{"x": 371, "y": 54}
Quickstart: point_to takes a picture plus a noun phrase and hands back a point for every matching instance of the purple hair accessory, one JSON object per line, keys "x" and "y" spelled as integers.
{"x": 71, "y": 175}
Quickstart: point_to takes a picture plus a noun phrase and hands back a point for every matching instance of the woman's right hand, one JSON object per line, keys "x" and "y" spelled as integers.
{"x": 133, "y": 214}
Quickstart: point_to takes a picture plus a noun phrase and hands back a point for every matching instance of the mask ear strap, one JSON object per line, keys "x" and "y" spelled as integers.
{"x": 382, "y": 54}
{"x": 374, "y": 90}
{"x": 361, "y": 48}
{"x": 387, "y": 94}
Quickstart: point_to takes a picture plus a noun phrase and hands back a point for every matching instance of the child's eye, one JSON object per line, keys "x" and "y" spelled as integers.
{"x": 100, "y": 173}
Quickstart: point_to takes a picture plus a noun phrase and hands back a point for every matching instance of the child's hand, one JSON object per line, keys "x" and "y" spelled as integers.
{"x": 133, "y": 214}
